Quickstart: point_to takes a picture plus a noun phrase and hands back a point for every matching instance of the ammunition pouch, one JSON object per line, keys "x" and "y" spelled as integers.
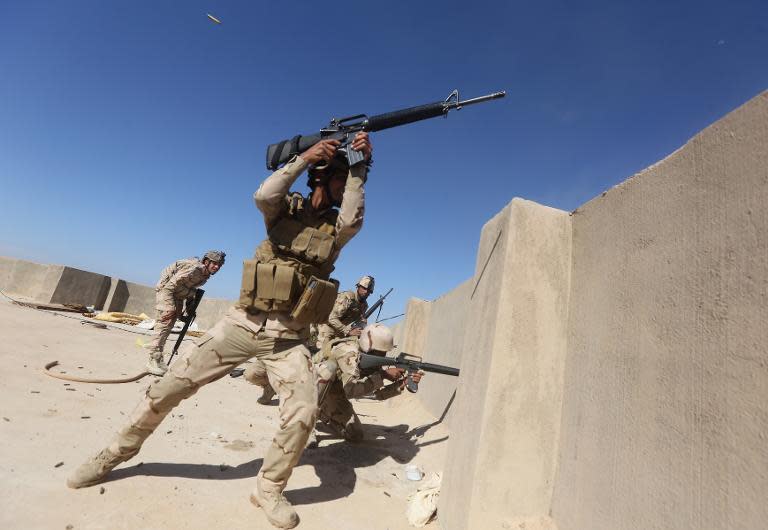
{"x": 268, "y": 286}
{"x": 303, "y": 242}
{"x": 276, "y": 287}
{"x": 316, "y": 302}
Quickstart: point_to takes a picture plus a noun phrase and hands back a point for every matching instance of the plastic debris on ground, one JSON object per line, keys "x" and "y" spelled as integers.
{"x": 422, "y": 504}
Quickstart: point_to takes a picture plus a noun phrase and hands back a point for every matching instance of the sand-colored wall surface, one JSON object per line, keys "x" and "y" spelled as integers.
{"x": 613, "y": 360}
{"x": 444, "y": 345}
{"x": 666, "y": 400}
{"x": 502, "y": 458}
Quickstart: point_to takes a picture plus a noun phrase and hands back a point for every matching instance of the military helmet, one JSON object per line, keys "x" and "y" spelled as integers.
{"x": 368, "y": 282}
{"x": 217, "y": 256}
{"x": 376, "y": 337}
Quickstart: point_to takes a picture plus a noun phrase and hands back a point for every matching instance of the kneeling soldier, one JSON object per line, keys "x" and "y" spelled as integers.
{"x": 285, "y": 288}
{"x": 340, "y": 378}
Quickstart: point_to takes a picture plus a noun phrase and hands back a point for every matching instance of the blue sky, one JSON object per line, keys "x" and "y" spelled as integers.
{"x": 133, "y": 133}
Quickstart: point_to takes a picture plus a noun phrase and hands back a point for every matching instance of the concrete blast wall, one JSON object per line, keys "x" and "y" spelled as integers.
{"x": 501, "y": 463}
{"x": 665, "y": 416}
{"x": 613, "y": 362}
{"x": 444, "y": 337}
{"x": 59, "y": 284}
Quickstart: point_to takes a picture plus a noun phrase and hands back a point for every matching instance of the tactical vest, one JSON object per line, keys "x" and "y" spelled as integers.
{"x": 291, "y": 268}
{"x": 355, "y": 311}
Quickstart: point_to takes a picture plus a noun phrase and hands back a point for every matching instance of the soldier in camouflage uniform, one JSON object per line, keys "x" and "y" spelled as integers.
{"x": 270, "y": 323}
{"x": 340, "y": 379}
{"x": 178, "y": 282}
{"x": 349, "y": 308}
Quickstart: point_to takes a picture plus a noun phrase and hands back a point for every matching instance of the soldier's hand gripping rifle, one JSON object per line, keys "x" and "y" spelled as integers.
{"x": 410, "y": 363}
{"x": 344, "y": 129}
{"x": 360, "y": 324}
{"x": 190, "y": 312}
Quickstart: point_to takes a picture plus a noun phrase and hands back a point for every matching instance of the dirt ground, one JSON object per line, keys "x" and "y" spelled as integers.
{"x": 199, "y": 467}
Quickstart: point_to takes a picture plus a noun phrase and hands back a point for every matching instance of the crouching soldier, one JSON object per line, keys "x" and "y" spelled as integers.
{"x": 178, "y": 282}
{"x": 340, "y": 378}
{"x": 285, "y": 288}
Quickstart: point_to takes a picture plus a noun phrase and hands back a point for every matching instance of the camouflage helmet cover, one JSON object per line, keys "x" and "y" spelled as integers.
{"x": 376, "y": 337}
{"x": 217, "y": 256}
{"x": 366, "y": 281}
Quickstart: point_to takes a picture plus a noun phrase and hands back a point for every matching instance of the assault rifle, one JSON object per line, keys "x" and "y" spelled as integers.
{"x": 190, "y": 312}
{"x": 360, "y": 324}
{"x": 344, "y": 129}
{"x": 411, "y": 363}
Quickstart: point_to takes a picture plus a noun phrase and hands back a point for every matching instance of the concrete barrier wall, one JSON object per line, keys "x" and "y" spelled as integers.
{"x": 443, "y": 345}
{"x": 500, "y": 465}
{"x": 666, "y": 399}
{"x": 76, "y": 286}
{"x": 66, "y": 285}
{"x": 415, "y": 325}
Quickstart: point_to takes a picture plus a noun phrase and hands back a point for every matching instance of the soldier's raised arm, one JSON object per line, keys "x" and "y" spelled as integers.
{"x": 352, "y": 210}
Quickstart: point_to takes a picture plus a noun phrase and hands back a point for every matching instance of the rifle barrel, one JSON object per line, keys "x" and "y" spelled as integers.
{"x": 480, "y": 99}
{"x": 439, "y": 369}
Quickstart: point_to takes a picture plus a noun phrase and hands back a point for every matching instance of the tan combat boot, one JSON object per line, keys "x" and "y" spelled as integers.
{"x": 156, "y": 365}
{"x": 96, "y": 469}
{"x": 267, "y": 395}
{"x": 269, "y": 496}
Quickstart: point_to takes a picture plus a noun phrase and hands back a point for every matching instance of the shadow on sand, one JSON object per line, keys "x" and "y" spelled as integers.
{"x": 334, "y": 463}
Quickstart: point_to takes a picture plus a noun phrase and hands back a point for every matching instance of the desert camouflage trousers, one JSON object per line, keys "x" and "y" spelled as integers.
{"x": 163, "y": 331}
{"x": 288, "y": 369}
{"x": 163, "y": 327}
{"x": 335, "y": 409}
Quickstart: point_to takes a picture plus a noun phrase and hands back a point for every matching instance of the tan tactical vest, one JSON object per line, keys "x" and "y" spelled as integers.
{"x": 291, "y": 268}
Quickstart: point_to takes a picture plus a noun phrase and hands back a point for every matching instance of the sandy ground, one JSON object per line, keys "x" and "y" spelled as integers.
{"x": 199, "y": 467}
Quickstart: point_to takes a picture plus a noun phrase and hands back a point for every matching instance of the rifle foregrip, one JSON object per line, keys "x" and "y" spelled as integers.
{"x": 404, "y": 116}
